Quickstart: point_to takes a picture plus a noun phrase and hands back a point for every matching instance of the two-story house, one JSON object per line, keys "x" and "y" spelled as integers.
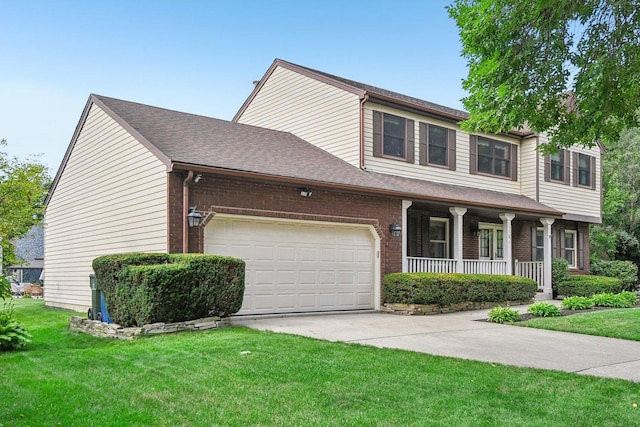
{"x": 323, "y": 185}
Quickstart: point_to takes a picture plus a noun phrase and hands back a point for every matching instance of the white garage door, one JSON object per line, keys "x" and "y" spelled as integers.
{"x": 295, "y": 266}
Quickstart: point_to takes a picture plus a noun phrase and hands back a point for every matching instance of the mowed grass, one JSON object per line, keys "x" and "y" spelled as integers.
{"x": 241, "y": 377}
{"x": 621, "y": 323}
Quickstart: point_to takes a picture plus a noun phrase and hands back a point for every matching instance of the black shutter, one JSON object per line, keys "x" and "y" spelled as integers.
{"x": 424, "y": 139}
{"x": 534, "y": 243}
{"x": 562, "y": 247}
{"x": 513, "y": 157}
{"x": 554, "y": 244}
{"x": 567, "y": 167}
{"x": 452, "y": 149}
{"x": 411, "y": 141}
{"x": 473, "y": 148}
{"x": 547, "y": 168}
{"x": 593, "y": 173}
{"x": 377, "y": 134}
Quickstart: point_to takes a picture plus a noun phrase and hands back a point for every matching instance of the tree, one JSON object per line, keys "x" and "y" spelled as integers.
{"x": 23, "y": 188}
{"x": 567, "y": 68}
{"x": 619, "y": 235}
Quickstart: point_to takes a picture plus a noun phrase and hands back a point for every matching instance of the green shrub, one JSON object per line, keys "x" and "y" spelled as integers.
{"x": 5, "y": 286}
{"x": 446, "y": 289}
{"x": 559, "y": 272}
{"x": 544, "y": 309}
{"x": 626, "y": 271}
{"x": 611, "y": 300}
{"x": 503, "y": 315}
{"x": 585, "y": 286}
{"x": 630, "y": 297}
{"x": 577, "y": 303}
{"x": 12, "y": 333}
{"x": 141, "y": 289}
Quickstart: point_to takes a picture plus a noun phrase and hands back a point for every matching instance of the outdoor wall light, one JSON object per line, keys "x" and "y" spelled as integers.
{"x": 475, "y": 230}
{"x": 305, "y": 192}
{"x": 395, "y": 229}
{"x": 194, "y": 217}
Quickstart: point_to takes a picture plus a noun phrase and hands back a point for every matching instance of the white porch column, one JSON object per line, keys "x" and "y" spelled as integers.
{"x": 406, "y": 204}
{"x": 458, "y": 214}
{"x": 507, "y": 240}
{"x": 546, "y": 222}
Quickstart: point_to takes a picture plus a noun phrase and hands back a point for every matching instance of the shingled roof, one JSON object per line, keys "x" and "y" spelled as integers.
{"x": 188, "y": 141}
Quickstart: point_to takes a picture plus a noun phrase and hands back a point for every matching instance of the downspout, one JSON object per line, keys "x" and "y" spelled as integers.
{"x": 364, "y": 99}
{"x": 185, "y": 212}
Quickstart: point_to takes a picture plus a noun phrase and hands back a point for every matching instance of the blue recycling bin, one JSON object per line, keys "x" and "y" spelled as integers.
{"x": 98, "y": 310}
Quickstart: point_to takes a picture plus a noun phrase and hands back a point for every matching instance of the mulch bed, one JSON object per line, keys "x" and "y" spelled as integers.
{"x": 565, "y": 312}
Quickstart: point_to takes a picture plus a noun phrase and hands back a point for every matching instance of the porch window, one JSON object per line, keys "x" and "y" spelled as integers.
{"x": 438, "y": 238}
{"x": 570, "y": 245}
{"x": 539, "y": 244}
{"x": 490, "y": 239}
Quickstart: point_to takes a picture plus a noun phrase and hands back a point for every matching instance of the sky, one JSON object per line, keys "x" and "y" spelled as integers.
{"x": 201, "y": 57}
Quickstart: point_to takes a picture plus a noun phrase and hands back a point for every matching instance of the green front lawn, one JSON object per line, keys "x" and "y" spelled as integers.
{"x": 241, "y": 377}
{"x": 621, "y": 323}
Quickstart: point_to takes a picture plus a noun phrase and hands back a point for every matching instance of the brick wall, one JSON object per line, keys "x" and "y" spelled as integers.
{"x": 283, "y": 201}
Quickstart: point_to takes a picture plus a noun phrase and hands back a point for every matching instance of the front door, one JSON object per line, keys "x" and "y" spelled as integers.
{"x": 490, "y": 241}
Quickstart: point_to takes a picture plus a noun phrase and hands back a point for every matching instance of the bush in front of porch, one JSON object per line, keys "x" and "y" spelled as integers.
{"x": 446, "y": 289}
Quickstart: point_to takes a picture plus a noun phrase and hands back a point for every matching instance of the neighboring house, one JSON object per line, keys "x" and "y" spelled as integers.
{"x": 29, "y": 251}
{"x": 322, "y": 185}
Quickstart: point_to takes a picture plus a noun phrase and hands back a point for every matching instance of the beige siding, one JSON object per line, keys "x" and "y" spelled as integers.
{"x": 570, "y": 199}
{"x": 319, "y": 113}
{"x": 111, "y": 198}
{"x": 460, "y": 176}
{"x": 528, "y": 176}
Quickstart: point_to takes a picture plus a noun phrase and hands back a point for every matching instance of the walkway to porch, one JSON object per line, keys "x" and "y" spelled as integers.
{"x": 531, "y": 269}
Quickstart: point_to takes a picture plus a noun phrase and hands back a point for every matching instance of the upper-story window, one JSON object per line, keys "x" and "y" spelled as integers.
{"x": 556, "y": 167}
{"x": 395, "y": 141}
{"x": 492, "y": 157}
{"x": 437, "y": 146}
{"x": 393, "y": 137}
{"x": 584, "y": 170}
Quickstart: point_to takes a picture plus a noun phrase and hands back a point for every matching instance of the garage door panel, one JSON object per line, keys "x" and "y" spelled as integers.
{"x": 297, "y": 267}
{"x": 286, "y": 253}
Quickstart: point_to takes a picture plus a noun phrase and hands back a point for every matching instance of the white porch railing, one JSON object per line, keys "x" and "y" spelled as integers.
{"x": 431, "y": 265}
{"x": 481, "y": 266}
{"x": 531, "y": 269}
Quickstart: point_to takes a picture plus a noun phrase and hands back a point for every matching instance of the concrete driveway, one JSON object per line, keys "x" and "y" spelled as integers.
{"x": 462, "y": 335}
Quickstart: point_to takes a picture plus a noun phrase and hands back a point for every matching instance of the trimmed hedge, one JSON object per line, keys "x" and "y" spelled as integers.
{"x": 626, "y": 271}
{"x": 446, "y": 289}
{"x": 585, "y": 286}
{"x": 141, "y": 288}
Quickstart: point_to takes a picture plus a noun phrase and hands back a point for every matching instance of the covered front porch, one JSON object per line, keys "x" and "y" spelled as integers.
{"x": 471, "y": 240}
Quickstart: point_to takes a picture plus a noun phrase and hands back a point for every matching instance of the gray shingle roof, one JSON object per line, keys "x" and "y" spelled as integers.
{"x": 199, "y": 141}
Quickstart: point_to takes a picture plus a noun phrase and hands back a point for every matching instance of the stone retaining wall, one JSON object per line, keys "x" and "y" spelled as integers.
{"x": 422, "y": 310}
{"x": 113, "y": 330}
